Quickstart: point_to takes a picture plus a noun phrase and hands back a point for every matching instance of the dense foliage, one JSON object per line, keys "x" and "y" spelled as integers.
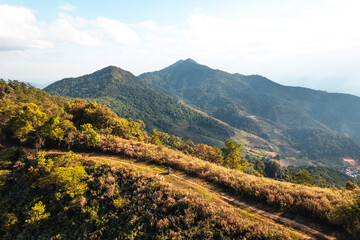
{"x": 64, "y": 197}
{"x": 131, "y": 97}
{"x": 321, "y": 176}
{"x": 308, "y": 175}
{"x": 33, "y": 117}
{"x": 321, "y": 143}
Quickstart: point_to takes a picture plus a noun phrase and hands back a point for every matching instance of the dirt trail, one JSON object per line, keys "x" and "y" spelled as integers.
{"x": 300, "y": 229}
{"x": 286, "y": 221}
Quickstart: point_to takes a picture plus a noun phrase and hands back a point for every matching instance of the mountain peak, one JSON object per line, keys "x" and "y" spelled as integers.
{"x": 112, "y": 72}
{"x": 105, "y": 80}
{"x": 111, "y": 69}
{"x": 187, "y": 62}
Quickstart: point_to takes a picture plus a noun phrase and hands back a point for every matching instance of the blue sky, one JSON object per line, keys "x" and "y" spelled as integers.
{"x": 306, "y": 43}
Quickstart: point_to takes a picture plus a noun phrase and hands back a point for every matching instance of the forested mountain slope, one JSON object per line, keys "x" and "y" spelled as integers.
{"x": 133, "y": 98}
{"x": 256, "y": 104}
{"x": 213, "y": 90}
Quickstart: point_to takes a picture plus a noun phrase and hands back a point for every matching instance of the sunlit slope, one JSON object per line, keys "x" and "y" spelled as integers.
{"x": 56, "y": 196}
{"x": 133, "y": 98}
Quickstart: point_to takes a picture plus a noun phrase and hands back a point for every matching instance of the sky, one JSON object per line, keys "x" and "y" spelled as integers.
{"x": 308, "y": 43}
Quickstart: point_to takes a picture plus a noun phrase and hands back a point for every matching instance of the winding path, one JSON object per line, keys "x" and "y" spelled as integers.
{"x": 300, "y": 229}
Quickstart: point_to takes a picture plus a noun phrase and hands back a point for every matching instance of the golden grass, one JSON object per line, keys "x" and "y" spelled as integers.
{"x": 319, "y": 202}
{"x": 234, "y": 223}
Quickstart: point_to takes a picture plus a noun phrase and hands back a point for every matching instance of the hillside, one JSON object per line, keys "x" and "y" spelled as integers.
{"x": 258, "y": 105}
{"x": 57, "y": 194}
{"x": 133, "y": 98}
{"x": 70, "y": 197}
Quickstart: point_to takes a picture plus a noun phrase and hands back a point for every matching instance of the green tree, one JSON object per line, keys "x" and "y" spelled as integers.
{"x": 273, "y": 170}
{"x": 155, "y": 138}
{"x": 121, "y": 128}
{"x": 45, "y": 165}
{"x": 233, "y": 156}
{"x": 260, "y": 167}
{"x": 137, "y": 129}
{"x": 189, "y": 146}
{"x": 70, "y": 180}
{"x": 303, "y": 177}
{"x": 70, "y": 132}
{"x": 28, "y": 123}
{"x": 89, "y": 135}
{"x": 37, "y": 213}
{"x": 218, "y": 154}
{"x": 176, "y": 142}
{"x": 52, "y": 129}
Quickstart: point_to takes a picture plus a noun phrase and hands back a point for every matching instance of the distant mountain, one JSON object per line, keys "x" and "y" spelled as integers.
{"x": 258, "y": 105}
{"x": 131, "y": 97}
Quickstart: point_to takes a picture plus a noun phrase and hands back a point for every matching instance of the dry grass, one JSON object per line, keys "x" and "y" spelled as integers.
{"x": 319, "y": 202}
{"x": 190, "y": 206}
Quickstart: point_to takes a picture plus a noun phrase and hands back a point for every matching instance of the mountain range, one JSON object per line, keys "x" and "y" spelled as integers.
{"x": 267, "y": 109}
{"x": 215, "y": 91}
{"x": 207, "y": 105}
{"x": 131, "y": 97}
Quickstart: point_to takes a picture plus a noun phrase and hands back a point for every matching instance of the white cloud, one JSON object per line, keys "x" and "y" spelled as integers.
{"x": 116, "y": 31}
{"x": 62, "y": 31}
{"x": 76, "y": 21}
{"x": 152, "y": 33}
{"x": 67, "y": 7}
{"x": 19, "y": 29}
{"x": 314, "y": 40}
{"x": 148, "y": 25}
{"x": 275, "y": 36}
{"x": 91, "y": 33}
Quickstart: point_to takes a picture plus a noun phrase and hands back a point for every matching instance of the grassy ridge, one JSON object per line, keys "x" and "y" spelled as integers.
{"x": 316, "y": 201}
